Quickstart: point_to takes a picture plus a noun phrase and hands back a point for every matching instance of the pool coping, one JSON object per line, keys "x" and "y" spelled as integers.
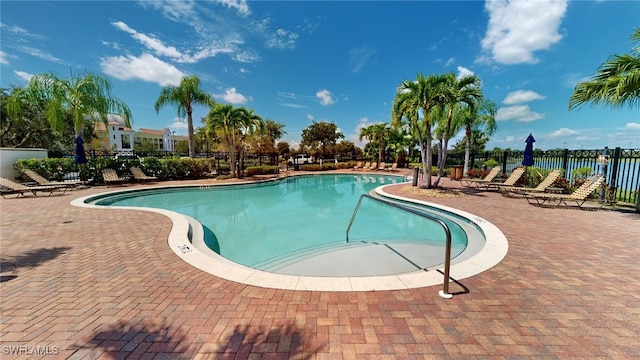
{"x": 494, "y": 250}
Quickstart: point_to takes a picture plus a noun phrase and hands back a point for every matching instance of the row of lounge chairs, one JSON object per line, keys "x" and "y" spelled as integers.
{"x": 538, "y": 195}
{"x": 372, "y": 166}
{"x": 45, "y": 186}
{"x": 110, "y": 176}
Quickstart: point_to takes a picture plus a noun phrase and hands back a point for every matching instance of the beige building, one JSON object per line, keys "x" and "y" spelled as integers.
{"x": 118, "y": 137}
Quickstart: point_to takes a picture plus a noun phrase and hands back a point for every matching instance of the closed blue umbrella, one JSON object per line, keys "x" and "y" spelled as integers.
{"x": 528, "y": 151}
{"x": 81, "y": 158}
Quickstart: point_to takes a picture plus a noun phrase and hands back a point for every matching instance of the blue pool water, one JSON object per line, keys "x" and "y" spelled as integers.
{"x": 258, "y": 225}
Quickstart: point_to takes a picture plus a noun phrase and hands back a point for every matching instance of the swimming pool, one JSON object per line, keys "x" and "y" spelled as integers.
{"x": 307, "y": 217}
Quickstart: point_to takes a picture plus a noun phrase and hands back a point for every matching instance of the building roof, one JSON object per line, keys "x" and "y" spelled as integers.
{"x": 99, "y": 126}
{"x": 153, "y": 131}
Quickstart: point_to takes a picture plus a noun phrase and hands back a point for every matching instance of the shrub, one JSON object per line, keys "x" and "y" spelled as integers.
{"x": 260, "y": 170}
{"x": 490, "y": 163}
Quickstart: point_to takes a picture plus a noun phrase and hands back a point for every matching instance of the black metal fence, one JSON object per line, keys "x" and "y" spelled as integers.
{"x": 622, "y": 168}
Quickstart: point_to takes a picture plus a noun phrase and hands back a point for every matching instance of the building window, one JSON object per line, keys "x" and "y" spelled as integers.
{"x": 126, "y": 141}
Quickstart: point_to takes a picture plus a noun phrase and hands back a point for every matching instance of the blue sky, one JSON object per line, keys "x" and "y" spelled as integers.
{"x": 301, "y": 61}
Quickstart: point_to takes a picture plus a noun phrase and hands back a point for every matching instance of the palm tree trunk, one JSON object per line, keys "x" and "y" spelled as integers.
{"x": 429, "y": 162}
{"x": 467, "y": 151}
{"x": 190, "y": 133}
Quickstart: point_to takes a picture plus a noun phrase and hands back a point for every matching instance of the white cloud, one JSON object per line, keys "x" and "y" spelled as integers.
{"x": 282, "y": 39}
{"x": 522, "y": 96}
{"x": 449, "y": 62}
{"x": 146, "y": 67}
{"x": 179, "y": 124}
{"x": 310, "y": 117}
{"x": 632, "y": 126}
{"x": 240, "y": 5}
{"x": 563, "y": 132}
{"x": 3, "y": 58}
{"x": 291, "y": 105}
{"x": 463, "y": 71}
{"x": 519, "y": 113}
{"x": 41, "y": 54}
{"x": 149, "y": 41}
{"x": 23, "y": 75}
{"x": 157, "y": 46}
{"x": 359, "y": 57}
{"x": 325, "y": 96}
{"x": 518, "y": 28}
{"x": 232, "y": 96}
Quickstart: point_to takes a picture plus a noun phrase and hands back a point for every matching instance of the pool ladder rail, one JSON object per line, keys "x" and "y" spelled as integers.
{"x": 447, "y": 260}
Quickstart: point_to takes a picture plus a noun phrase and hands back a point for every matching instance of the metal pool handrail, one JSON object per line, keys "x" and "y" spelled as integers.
{"x": 447, "y": 260}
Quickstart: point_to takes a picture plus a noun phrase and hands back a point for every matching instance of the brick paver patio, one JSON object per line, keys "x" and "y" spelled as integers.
{"x": 91, "y": 283}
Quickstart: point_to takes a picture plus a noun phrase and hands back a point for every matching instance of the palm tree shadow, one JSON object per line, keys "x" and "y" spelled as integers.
{"x": 29, "y": 259}
{"x": 124, "y": 340}
{"x": 287, "y": 341}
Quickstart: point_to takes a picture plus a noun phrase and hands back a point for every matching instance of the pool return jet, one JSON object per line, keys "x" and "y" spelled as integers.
{"x": 447, "y": 260}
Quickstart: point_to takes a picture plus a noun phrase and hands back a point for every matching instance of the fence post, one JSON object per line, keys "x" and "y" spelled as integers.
{"x": 565, "y": 163}
{"x": 504, "y": 162}
{"x": 614, "y": 169}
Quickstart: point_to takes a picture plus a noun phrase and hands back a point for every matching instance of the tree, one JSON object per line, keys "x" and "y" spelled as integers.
{"x": 265, "y": 141}
{"x": 423, "y": 94}
{"x": 86, "y": 98}
{"x": 232, "y": 125}
{"x": 378, "y": 135}
{"x": 319, "y": 135}
{"x": 465, "y": 90}
{"x": 616, "y": 83}
{"x": 477, "y": 121}
{"x": 184, "y": 97}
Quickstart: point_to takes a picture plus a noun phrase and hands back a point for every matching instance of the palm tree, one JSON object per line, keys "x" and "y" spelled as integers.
{"x": 377, "y": 134}
{"x": 480, "y": 117}
{"x": 250, "y": 123}
{"x": 184, "y": 96}
{"x": 423, "y": 94}
{"x": 85, "y": 97}
{"x": 465, "y": 90}
{"x": 222, "y": 119}
{"x": 616, "y": 83}
{"x": 233, "y": 124}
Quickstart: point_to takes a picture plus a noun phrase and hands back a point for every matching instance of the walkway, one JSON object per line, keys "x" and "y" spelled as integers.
{"x": 104, "y": 284}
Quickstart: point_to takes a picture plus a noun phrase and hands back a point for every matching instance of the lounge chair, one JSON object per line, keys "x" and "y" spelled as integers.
{"x": 358, "y": 166}
{"x": 366, "y": 165}
{"x": 512, "y": 191}
{"x": 41, "y": 180}
{"x": 579, "y": 196}
{"x": 394, "y": 167}
{"x": 482, "y": 182}
{"x": 382, "y": 166}
{"x": 139, "y": 175}
{"x": 374, "y": 166}
{"x": 516, "y": 174}
{"x": 21, "y": 189}
{"x": 111, "y": 177}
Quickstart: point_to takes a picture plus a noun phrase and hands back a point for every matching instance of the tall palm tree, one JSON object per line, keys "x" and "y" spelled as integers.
{"x": 465, "y": 90}
{"x": 85, "y": 97}
{"x": 184, "y": 96}
{"x": 377, "y": 134}
{"x": 616, "y": 83}
{"x": 250, "y": 123}
{"x": 480, "y": 117}
{"x": 233, "y": 124}
{"x": 223, "y": 119}
{"x": 423, "y": 94}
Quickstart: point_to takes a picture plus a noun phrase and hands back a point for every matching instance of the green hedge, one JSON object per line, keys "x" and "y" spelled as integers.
{"x": 260, "y": 170}
{"x": 55, "y": 169}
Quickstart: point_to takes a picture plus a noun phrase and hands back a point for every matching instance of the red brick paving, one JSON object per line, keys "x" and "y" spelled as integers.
{"x": 103, "y": 284}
